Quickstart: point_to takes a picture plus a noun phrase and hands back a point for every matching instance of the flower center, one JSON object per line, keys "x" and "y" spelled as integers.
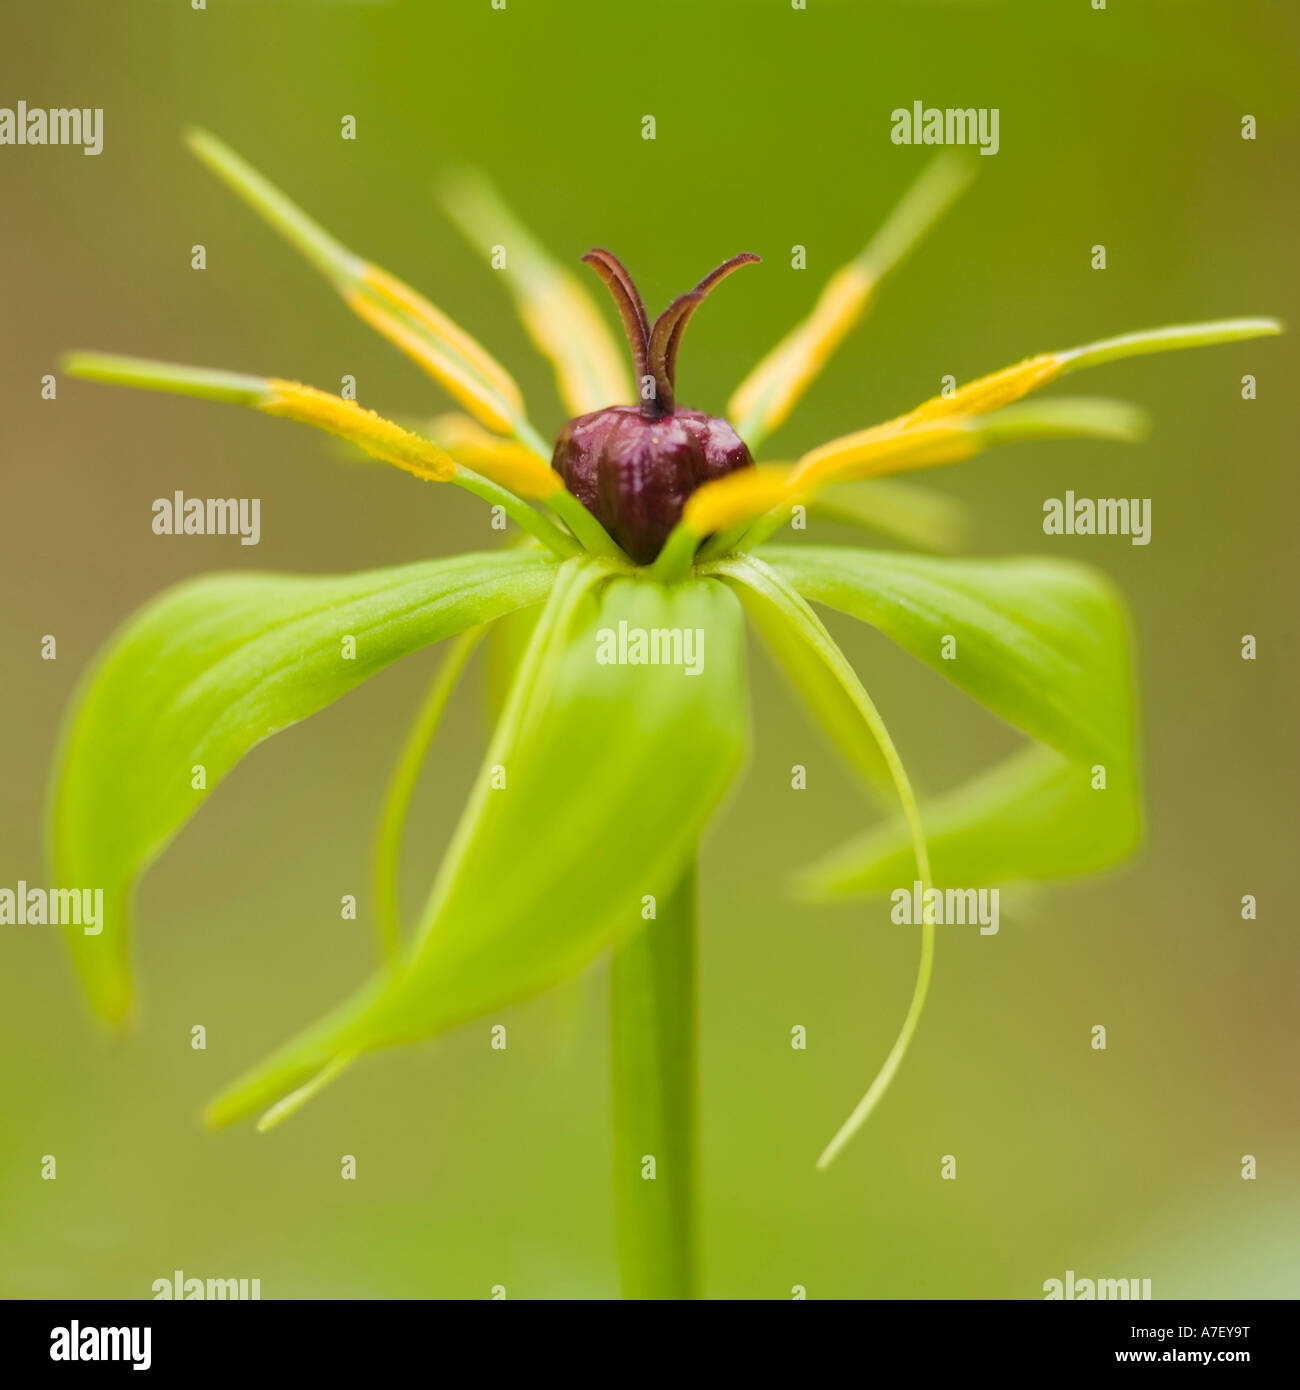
{"x": 633, "y": 467}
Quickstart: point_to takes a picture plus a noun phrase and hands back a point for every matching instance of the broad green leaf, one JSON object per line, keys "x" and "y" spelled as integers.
{"x": 591, "y": 799}
{"x": 204, "y": 673}
{"x": 1041, "y": 642}
{"x": 1044, "y": 645}
{"x": 1033, "y": 816}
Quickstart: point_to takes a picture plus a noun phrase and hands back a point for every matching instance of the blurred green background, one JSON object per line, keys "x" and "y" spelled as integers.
{"x": 477, "y": 1167}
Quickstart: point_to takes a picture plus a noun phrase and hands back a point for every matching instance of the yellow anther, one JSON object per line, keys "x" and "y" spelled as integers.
{"x": 767, "y": 396}
{"x": 503, "y": 461}
{"x": 887, "y": 449}
{"x": 988, "y": 392}
{"x": 378, "y": 437}
{"x": 401, "y": 297}
{"x": 738, "y": 498}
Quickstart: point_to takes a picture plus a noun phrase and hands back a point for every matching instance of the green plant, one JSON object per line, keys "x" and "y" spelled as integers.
{"x": 534, "y": 885}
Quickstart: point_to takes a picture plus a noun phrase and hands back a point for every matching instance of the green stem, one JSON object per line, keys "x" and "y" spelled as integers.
{"x": 654, "y": 1075}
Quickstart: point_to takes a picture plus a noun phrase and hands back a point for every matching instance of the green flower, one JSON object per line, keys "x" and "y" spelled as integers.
{"x": 602, "y": 774}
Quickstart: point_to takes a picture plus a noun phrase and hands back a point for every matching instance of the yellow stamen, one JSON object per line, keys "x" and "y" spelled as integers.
{"x": 590, "y": 365}
{"x": 371, "y": 433}
{"x": 504, "y": 461}
{"x": 766, "y": 397}
{"x": 738, "y": 498}
{"x": 770, "y": 392}
{"x": 429, "y": 317}
{"x": 988, "y": 392}
{"x": 386, "y": 303}
{"x": 463, "y": 383}
{"x": 742, "y": 498}
{"x": 746, "y": 495}
{"x": 1011, "y": 383}
{"x": 870, "y": 453}
{"x": 378, "y": 437}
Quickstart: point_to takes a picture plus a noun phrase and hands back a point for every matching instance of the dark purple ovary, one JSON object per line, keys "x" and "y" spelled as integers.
{"x": 633, "y": 467}
{"x": 634, "y": 474}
